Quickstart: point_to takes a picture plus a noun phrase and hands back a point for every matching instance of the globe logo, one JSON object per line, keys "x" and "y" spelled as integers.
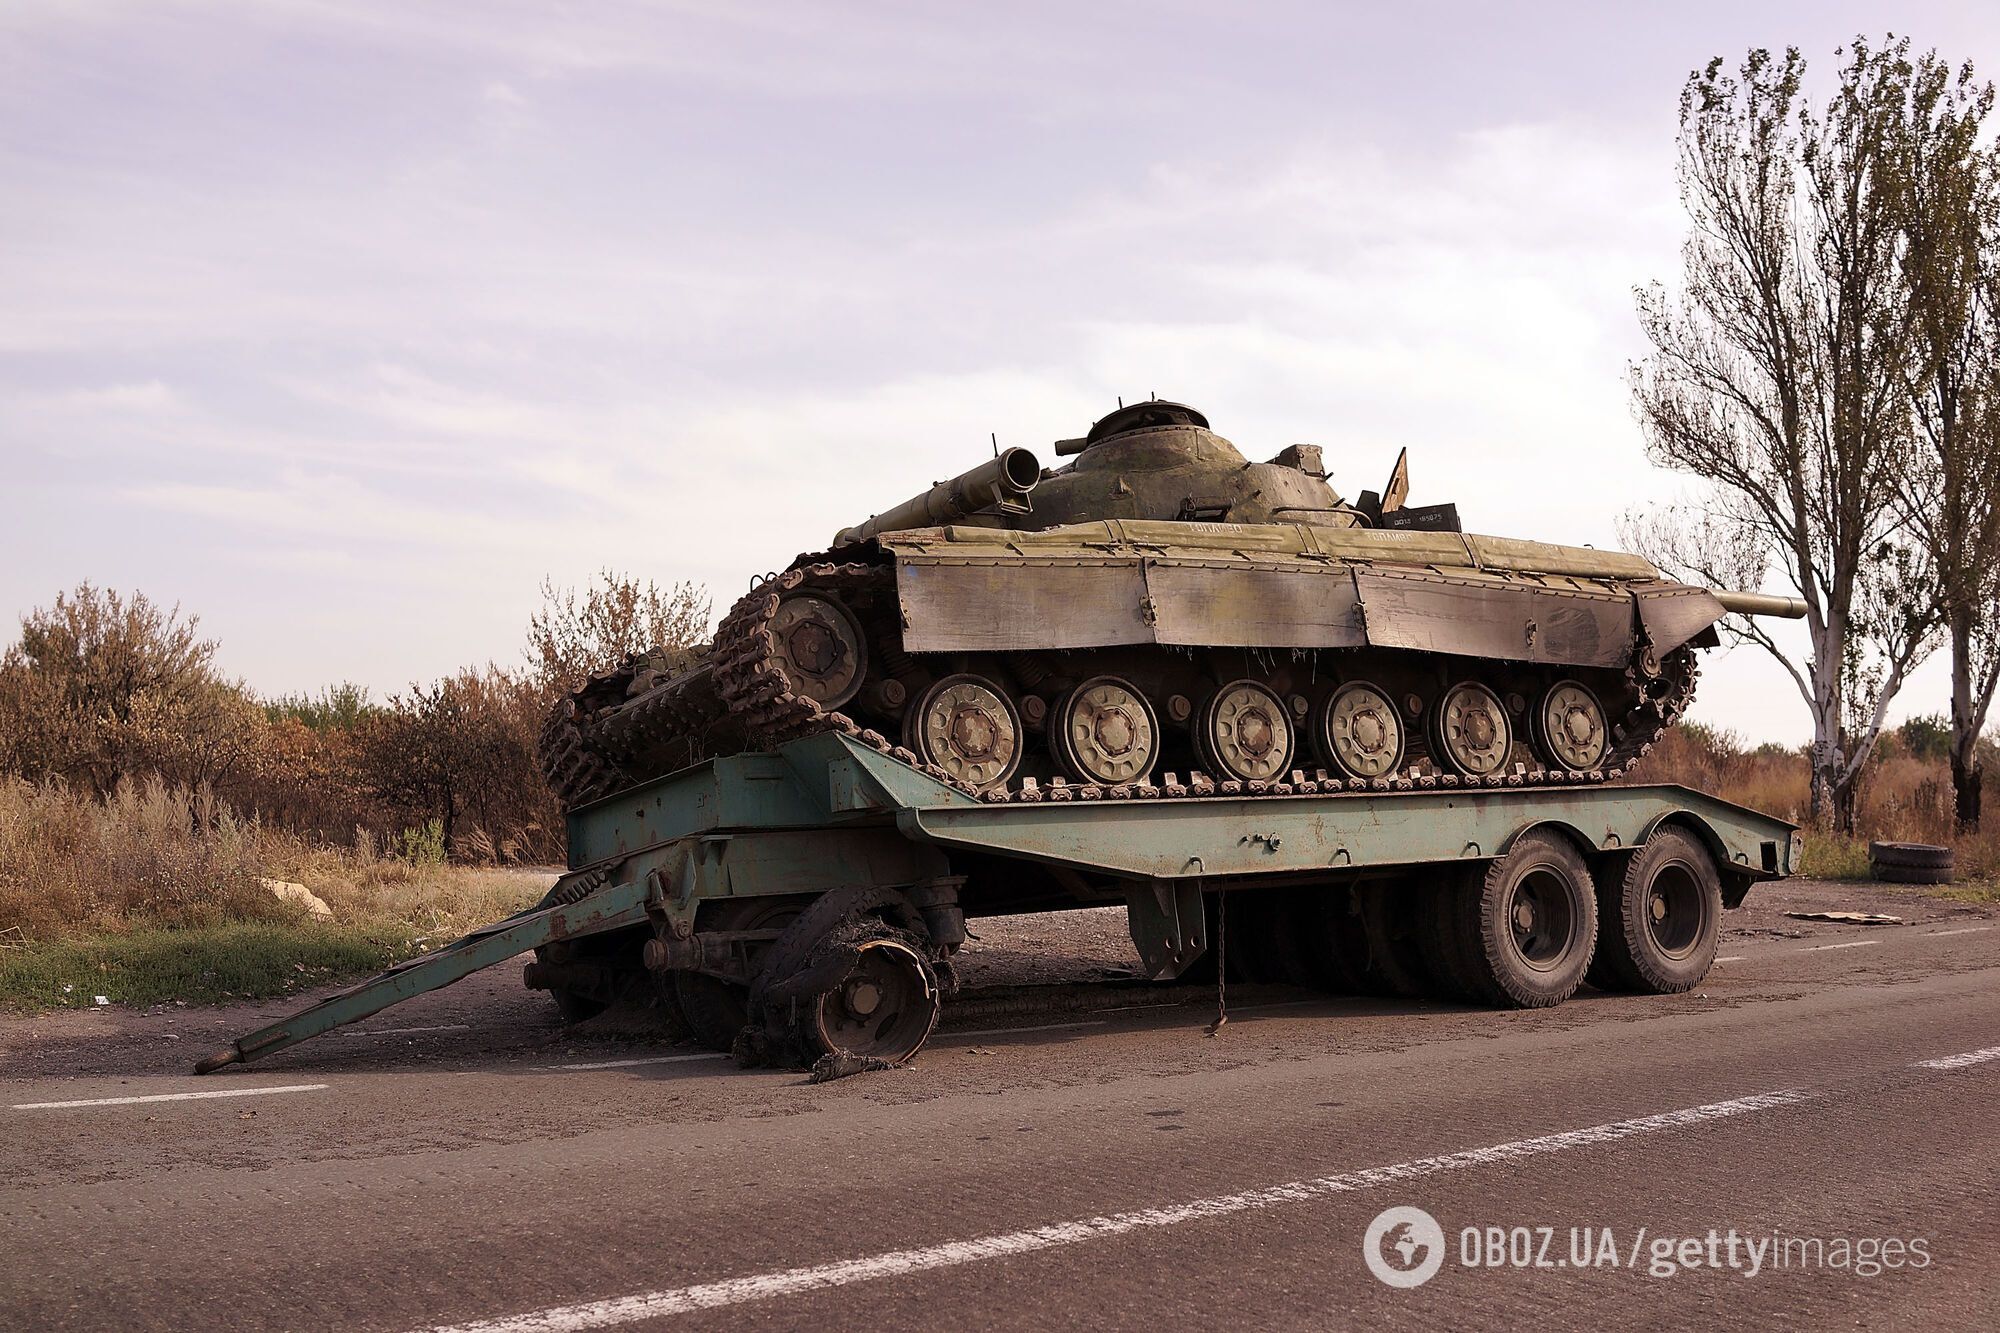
{"x": 1403, "y": 1246}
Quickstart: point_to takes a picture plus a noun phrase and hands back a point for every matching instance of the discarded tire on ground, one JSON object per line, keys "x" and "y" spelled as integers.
{"x": 1658, "y": 922}
{"x": 1910, "y": 863}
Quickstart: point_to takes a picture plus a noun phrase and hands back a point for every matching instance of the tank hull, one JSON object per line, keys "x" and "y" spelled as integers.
{"x": 970, "y": 645}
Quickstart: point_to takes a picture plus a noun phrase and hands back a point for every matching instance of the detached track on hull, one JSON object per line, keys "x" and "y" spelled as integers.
{"x": 742, "y": 683}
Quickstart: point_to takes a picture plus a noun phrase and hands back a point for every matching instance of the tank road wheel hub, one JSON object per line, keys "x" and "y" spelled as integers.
{"x": 1570, "y": 724}
{"x": 820, "y": 647}
{"x": 1108, "y": 732}
{"x": 967, "y": 726}
{"x": 1472, "y": 729}
{"x": 1361, "y": 733}
{"x": 1247, "y": 731}
{"x": 884, "y": 1007}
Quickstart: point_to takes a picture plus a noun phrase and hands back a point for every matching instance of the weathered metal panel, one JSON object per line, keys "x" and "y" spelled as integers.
{"x": 737, "y": 791}
{"x": 1254, "y": 606}
{"x": 1435, "y": 613}
{"x": 1675, "y": 614}
{"x": 1306, "y": 837}
{"x": 955, "y": 606}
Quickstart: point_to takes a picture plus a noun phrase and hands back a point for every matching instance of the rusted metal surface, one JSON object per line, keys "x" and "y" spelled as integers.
{"x": 1439, "y": 614}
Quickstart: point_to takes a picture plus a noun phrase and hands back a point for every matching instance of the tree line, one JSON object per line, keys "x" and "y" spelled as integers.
{"x": 1828, "y": 367}
{"x": 103, "y": 688}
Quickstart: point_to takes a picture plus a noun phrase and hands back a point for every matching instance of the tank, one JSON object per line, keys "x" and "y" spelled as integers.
{"x": 1161, "y": 616}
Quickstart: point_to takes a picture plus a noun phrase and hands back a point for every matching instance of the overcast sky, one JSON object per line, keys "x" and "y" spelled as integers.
{"x": 344, "y": 324}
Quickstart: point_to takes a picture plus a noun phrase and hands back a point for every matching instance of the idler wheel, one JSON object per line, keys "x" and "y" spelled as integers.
{"x": 1471, "y": 729}
{"x": 819, "y": 644}
{"x": 1245, "y": 731}
{"x": 1361, "y": 731}
{"x": 967, "y": 726}
{"x": 1570, "y": 728}
{"x": 884, "y": 1007}
{"x": 1106, "y": 732}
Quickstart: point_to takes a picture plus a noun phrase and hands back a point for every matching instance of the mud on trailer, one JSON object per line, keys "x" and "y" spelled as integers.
{"x": 808, "y": 900}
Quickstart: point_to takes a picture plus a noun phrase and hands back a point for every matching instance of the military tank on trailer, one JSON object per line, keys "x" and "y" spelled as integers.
{"x": 1375, "y": 743}
{"x": 1162, "y": 612}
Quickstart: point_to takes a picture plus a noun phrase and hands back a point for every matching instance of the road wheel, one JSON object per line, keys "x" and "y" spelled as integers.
{"x": 967, "y": 726}
{"x": 1245, "y": 732}
{"x": 1360, "y": 733}
{"x": 1105, "y": 731}
{"x": 1532, "y": 920}
{"x": 1470, "y": 730}
{"x": 716, "y": 1010}
{"x": 1659, "y": 924}
{"x": 1569, "y": 727}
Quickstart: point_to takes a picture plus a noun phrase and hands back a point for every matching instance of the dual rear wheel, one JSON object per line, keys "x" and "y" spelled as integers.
{"x": 1522, "y": 931}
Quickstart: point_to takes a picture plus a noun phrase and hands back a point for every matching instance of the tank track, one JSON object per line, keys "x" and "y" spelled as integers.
{"x": 750, "y": 687}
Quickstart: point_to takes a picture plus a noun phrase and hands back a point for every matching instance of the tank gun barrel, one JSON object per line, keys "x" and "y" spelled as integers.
{"x": 1761, "y": 604}
{"x": 1001, "y": 482}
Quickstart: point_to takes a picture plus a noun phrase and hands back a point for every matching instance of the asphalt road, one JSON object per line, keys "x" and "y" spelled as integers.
{"x": 459, "y": 1161}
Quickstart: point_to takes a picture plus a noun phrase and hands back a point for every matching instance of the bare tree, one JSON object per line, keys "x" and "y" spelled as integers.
{"x": 577, "y": 634}
{"x": 1778, "y": 377}
{"x": 1948, "y": 196}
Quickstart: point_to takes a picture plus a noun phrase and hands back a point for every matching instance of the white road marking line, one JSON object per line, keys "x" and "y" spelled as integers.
{"x": 1962, "y": 930}
{"x": 1960, "y": 1061}
{"x": 896, "y": 1263}
{"x": 1844, "y": 944}
{"x": 1732, "y": 958}
{"x": 398, "y": 1032}
{"x": 647, "y": 1060}
{"x": 169, "y": 1097}
{"x": 1008, "y": 1032}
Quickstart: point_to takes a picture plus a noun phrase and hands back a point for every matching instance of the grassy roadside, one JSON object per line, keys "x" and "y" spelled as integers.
{"x": 155, "y": 895}
{"x": 204, "y": 965}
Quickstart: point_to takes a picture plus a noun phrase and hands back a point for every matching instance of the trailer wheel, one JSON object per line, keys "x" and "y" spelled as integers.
{"x": 1660, "y": 924}
{"x": 716, "y": 1010}
{"x": 1448, "y": 941}
{"x": 1531, "y": 921}
{"x": 883, "y": 1005}
{"x": 1394, "y": 963}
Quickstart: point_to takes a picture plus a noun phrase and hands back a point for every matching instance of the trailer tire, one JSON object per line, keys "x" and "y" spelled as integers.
{"x": 1660, "y": 923}
{"x": 1532, "y": 918}
{"x": 1895, "y": 874}
{"x": 1395, "y": 962}
{"x": 717, "y": 1010}
{"x": 1914, "y": 855}
{"x": 1448, "y": 939}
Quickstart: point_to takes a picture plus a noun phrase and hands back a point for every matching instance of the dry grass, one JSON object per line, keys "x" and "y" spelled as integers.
{"x": 1903, "y": 798}
{"x": 156, "y": 891}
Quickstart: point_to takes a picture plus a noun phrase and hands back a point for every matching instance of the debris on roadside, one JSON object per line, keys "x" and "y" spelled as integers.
{"x": 835, "y": 1065}
{"x": 1850, "y": 918}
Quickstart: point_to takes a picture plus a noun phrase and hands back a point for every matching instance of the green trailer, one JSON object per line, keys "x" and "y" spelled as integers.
{"x": 808, "y": 900}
